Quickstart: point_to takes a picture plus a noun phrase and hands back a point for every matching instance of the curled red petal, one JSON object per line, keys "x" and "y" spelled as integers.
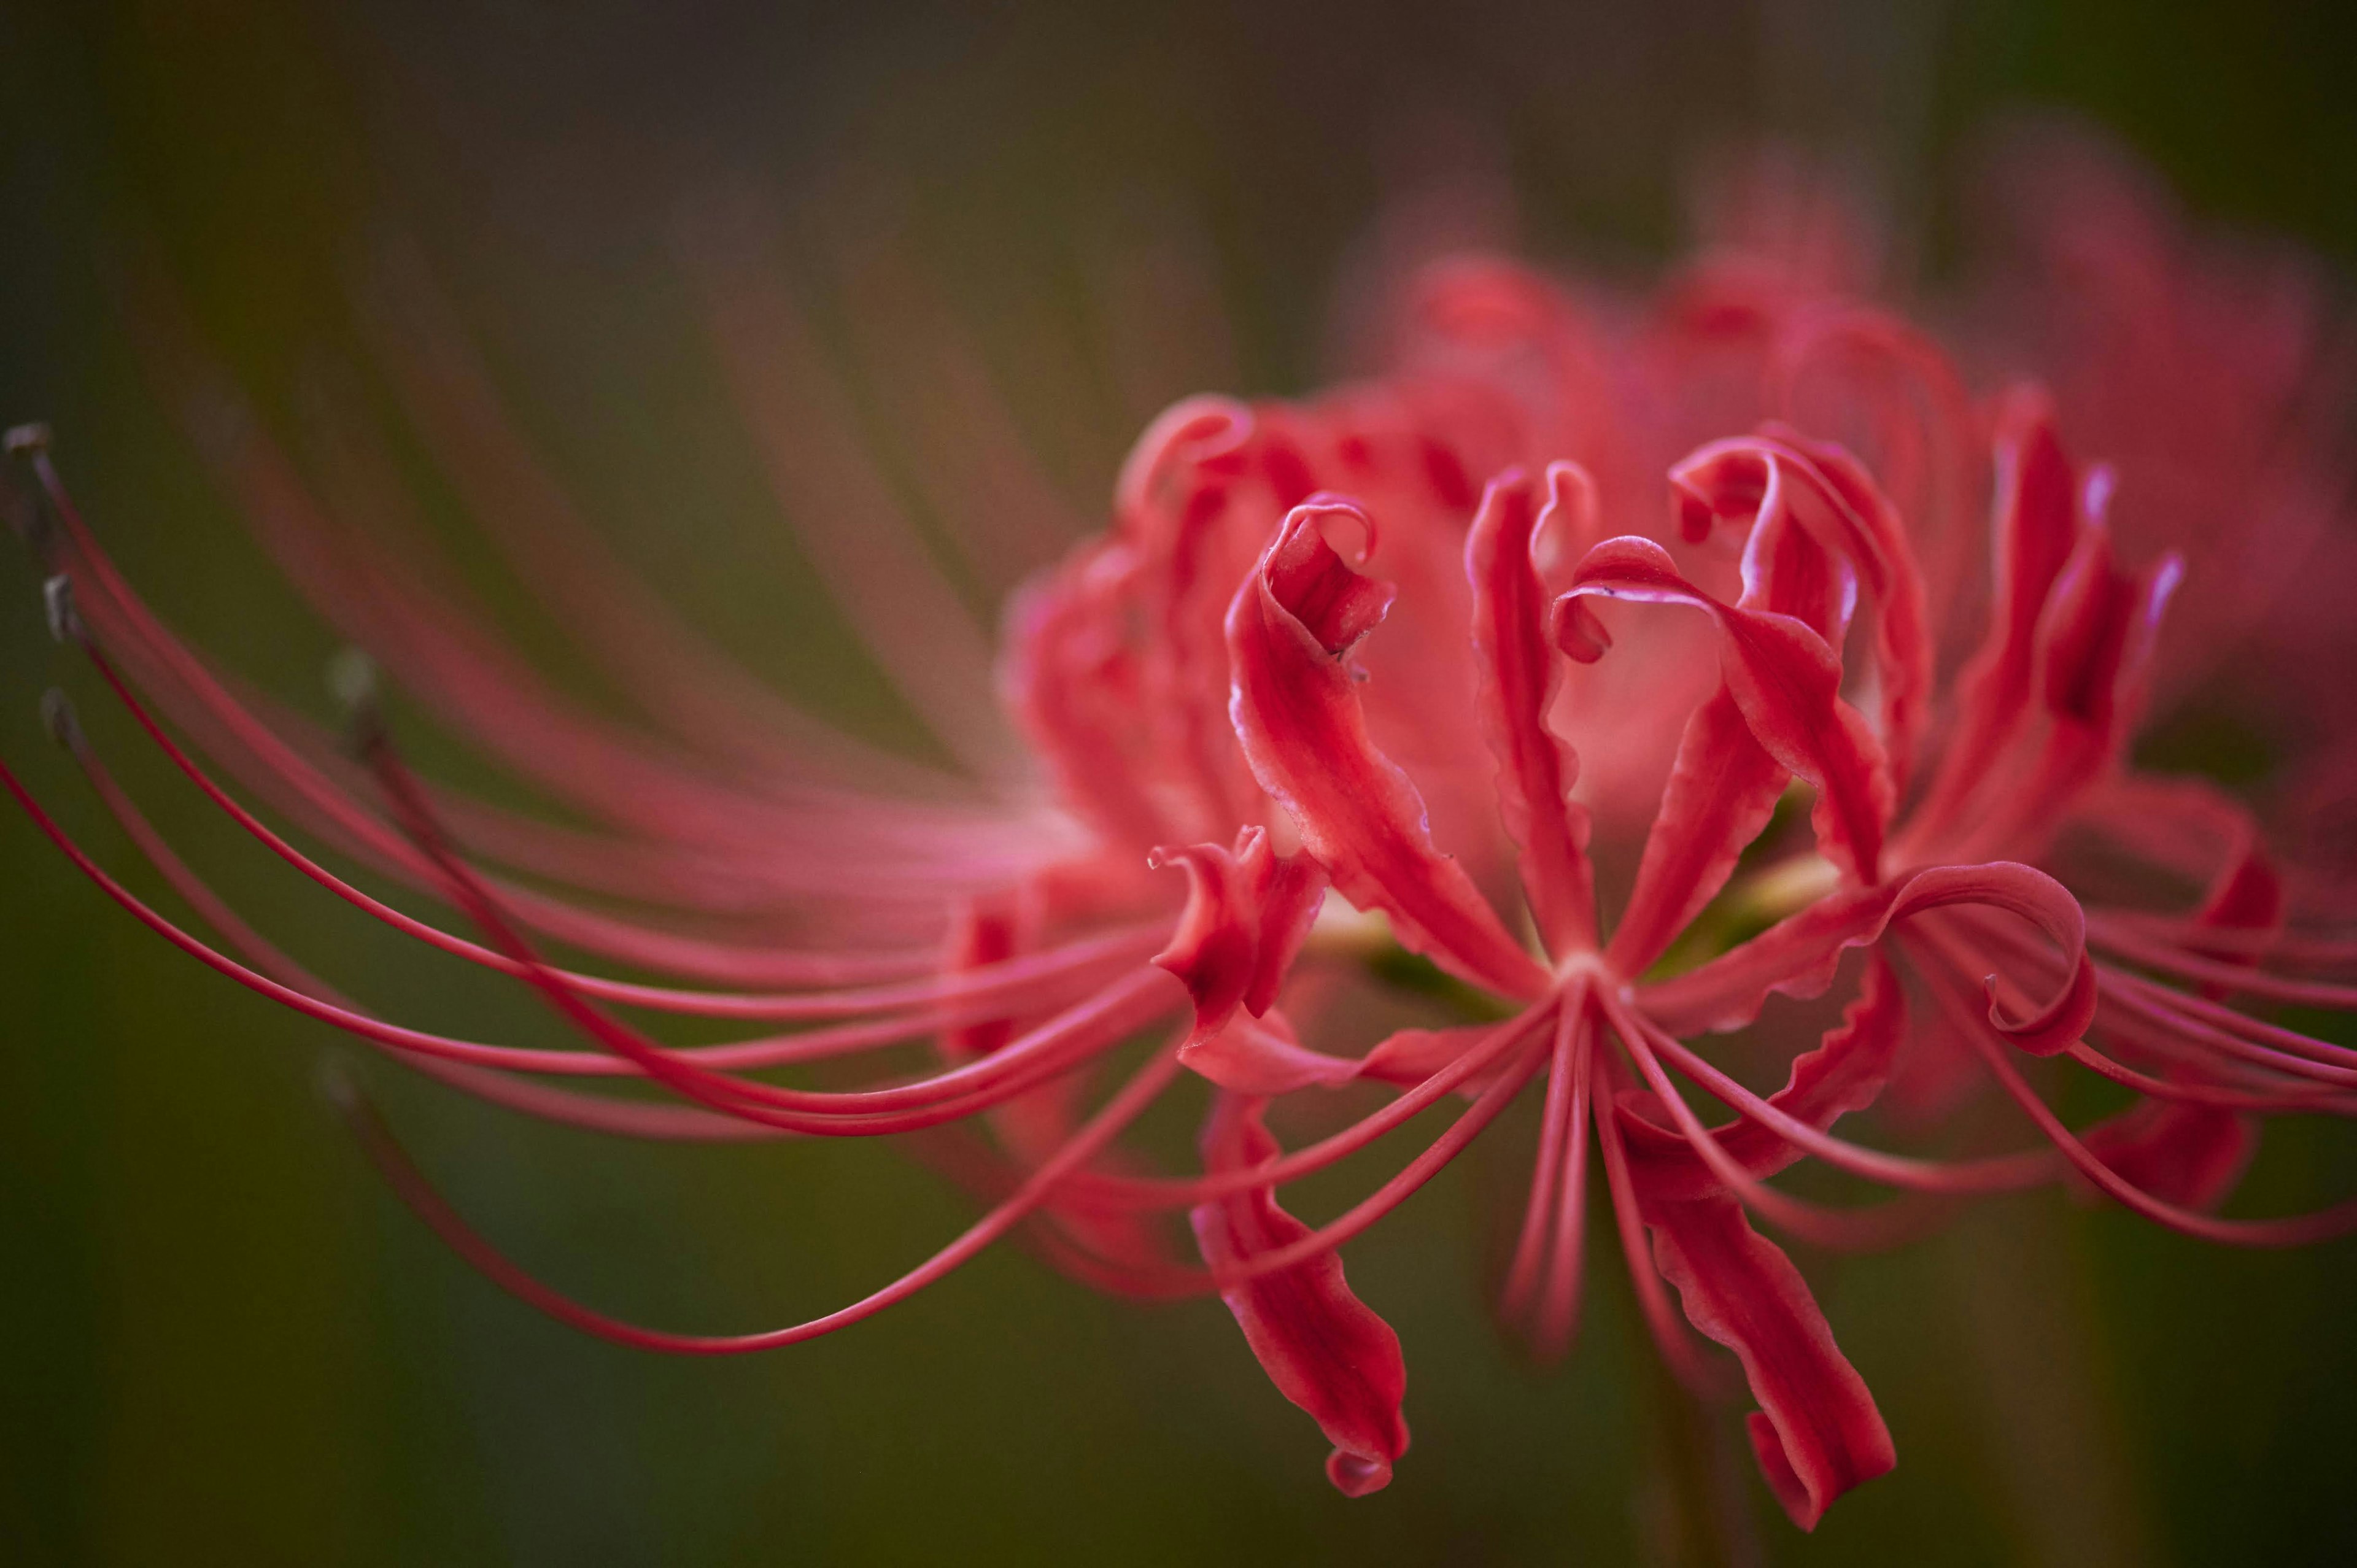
{"x": 1324, "y": 1349}
{"x": 1786, "y": 678}
{"x": 1214, "y": 950}
{"x": 1817, "y": 1433}
{"x": 1722, "y": 792}
{"x": 1298, "y": 716}
{"x": 1797, "y": 956}
{"x": 1248, "y": 910}
{"x": 1821, "y": 490}
{"x": 1516, "y": 662}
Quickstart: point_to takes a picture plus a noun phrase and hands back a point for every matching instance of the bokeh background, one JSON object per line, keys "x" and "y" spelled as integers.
{"x": 222, "y": 1342}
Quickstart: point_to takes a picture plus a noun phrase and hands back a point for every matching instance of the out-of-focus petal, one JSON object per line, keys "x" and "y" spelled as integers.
{"x": 2180, "y": 1152}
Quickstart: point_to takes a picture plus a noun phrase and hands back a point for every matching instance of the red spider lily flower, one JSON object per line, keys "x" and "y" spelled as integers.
{"x": 1404, "y": 648}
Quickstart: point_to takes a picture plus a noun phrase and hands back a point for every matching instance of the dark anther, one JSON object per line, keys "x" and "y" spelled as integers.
{"x": 58, "y": 716}
{"x": 66, "y": 624}
{"x": 352, "y": 681}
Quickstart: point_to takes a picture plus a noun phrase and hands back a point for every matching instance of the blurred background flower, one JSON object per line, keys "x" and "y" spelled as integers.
{"x": 227, "y": 1343}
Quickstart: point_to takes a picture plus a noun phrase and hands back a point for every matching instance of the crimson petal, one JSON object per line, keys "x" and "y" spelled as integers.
{"x": 1786, "y": 678}
{"x": 1825, "y": 492}
{"x": 1248, "y": 911}
{"x": 1817, "y": 1433}
{"x": 1797, "y": 956}
{"x": 1324, "y": 1349}
{"x": 1519, "y": 675}
{"x": 1298, "y": 716}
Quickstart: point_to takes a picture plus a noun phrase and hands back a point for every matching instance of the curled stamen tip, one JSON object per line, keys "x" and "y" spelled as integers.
{"x": 352, "y": 682}
{"x": 58, "y": 717}
{"x": 333, "y": 1076}
{"x": 351, "y": 678}
{"x": 22, "y": 439}
{"x": 66, "y": 624}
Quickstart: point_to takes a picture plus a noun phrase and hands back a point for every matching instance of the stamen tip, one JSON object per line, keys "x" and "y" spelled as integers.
{"x": 58, "y": 717}
{"x": 352, "y": 682}
{"x": 24, "y": 439}
{"x": 66, "y": 624}
{"x": 338, "y": 1084}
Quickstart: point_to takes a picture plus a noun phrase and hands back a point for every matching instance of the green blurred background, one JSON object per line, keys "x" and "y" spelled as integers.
{"x": 223, "y": 1343}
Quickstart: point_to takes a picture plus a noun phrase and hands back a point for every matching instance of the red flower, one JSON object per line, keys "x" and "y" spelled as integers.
{"x": 1501, "y": 753}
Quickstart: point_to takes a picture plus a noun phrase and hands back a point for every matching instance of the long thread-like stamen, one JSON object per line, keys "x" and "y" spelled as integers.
{"x": 1856, "y": 1229}
{"x": 1145, "y": 1192}
{"x": 597, "y": 1114}
{"x": 1055, "y": 1049}
{"x": 376, "y": 1141}
{"x": 1522, "y": 1275}
{"x": 1996, "y": 1173}
{"x": 1040, "y": 1057}
{"x": 1661, "y": 1319}
{"x": 1558, "y": 1310}
{"x": 2291, "y": 1230}
{"x": 1011, "y": 977}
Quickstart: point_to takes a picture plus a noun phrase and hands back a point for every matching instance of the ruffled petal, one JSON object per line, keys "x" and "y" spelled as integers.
{"x": 1248, "y": 911}
{"x": 1786, "y": 678}
{"x": 1721, "y": 795}
{"x": 1297, "y": 713}
{"x": 1763, "y": 479}
{"x": 1323, "y": 1347}
{"x": 1797, "y": 957}
{"x": 1817, "y": 1433}
{"x": 1518, "y": 674}
{"x": 1214, "y": 951}
{"x": 1845, "y": 1072}
{"x": 2053, "y": 696}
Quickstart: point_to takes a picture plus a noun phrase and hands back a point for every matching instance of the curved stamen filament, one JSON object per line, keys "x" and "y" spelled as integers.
{"x": 1521, "y": 1277}
{"x": 2291, "y": 1230}
{"x": 376, "y": 1139}
{"x": 1558, "y": 1310}
{"x": 1880, "y": 1225}
{"x": 1128, "y": 944}
{"x": 1677, "y": 1349}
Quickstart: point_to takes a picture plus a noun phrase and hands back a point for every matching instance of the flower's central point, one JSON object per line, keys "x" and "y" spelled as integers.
{"x": 1590, "y": 967}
